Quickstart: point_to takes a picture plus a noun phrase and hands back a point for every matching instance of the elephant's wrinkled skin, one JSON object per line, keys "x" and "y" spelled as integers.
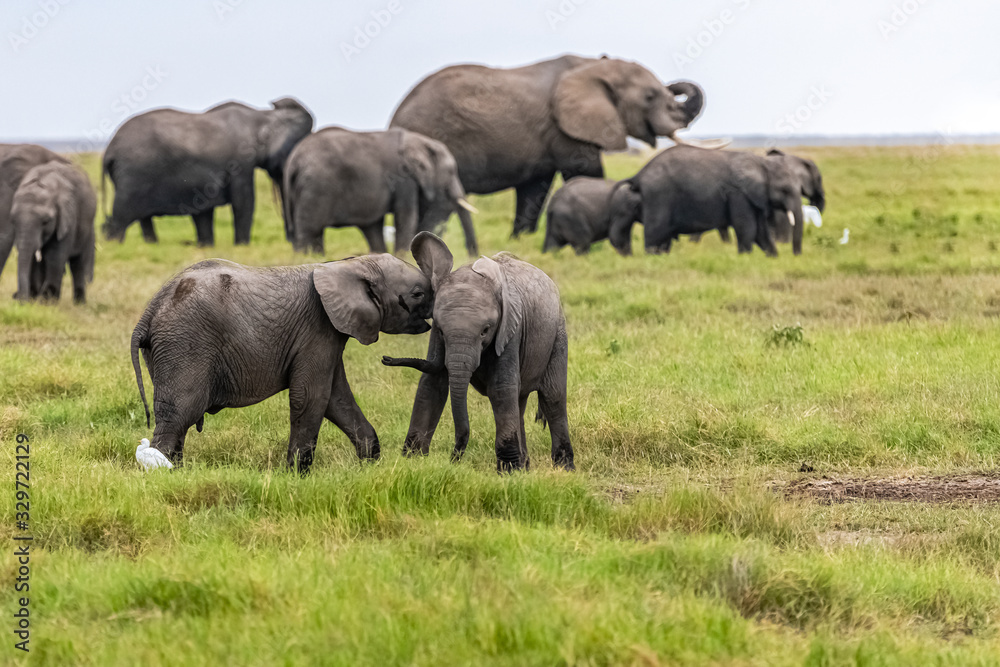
{"x": 518, "y": 127}
{"x": 170, "y": 162}
{"x": 337, "y": 177}
{"x": 222, "y": 335}
{"x": 53, "y": 217}
{"x": 498, "y": 325}
{"x": 689, "y": 190}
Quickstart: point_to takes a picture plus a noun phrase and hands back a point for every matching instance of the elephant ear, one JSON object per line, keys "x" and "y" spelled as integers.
{"x": 346, "y": 290}
{"x": 511, "y": 304}
{"x": 66, "y": 201}
{"x": 433, "y": 257}
{"x": 752, "y": 179}
{"x": 584, "y": 108}
{"x": 420, "y": 162}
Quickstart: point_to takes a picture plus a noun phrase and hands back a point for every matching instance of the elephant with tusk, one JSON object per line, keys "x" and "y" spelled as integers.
{"x": 519, "y": 127}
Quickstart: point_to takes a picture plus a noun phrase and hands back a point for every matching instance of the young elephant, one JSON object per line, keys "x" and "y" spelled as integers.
{"x": 689, "y": 190}
{"x": 338, "y": 178}
{"x": 498, "y": 325}
{"x": 222, "y": 335}
{"x": 53, "y": 218}
{"x": 810, "y": 182}
{"x": 578, "y": 214}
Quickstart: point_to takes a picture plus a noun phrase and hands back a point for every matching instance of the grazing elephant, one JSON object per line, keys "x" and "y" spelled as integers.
{"x": 499, "y": 326}
{"x": 578, "y": 214}
{"x": 221, "y": 335}
{"x": 53, "y": 218}
{"x": 811, "y": 182}
{"x": 689, "y": 190}
{"x": 518, "y": 127}
{"x": 170, "y": 162}
{"x": 15, "y": 161}
{"x": 337, "y": 178}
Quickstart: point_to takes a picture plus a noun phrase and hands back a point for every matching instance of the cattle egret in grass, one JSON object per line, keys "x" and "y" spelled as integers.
{"x": 812, "y": 215}
{"x": 843, "y": 239}
{"x": 389, "y": 234}
{"x": 149, "y": 457}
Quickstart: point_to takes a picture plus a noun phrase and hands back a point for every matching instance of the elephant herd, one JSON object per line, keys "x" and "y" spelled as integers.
{"x": 223, "y": 335}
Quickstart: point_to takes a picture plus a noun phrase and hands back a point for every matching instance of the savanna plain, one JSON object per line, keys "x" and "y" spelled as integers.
{"x": 779, "y": 461}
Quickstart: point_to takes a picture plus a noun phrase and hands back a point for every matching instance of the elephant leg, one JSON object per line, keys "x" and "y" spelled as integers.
{"x": 343, "y": 411}
{"x": 308, "y": 399}
{"x": 78, "y": 269}
{"x": 428, "y": 404}
{"x": 148, "y": 230}
{"x": 530, "y": 200}
{"x": 522, "y": 404}
{"x": 6, "y": 239}
{"x": 763, "y": 238}
{"x": 552, "y": 405}
{"x": 744, "y": 223}
{"x": 204, "y": 225}
{"x": 375, "y": 235}
{"x": 174, "y": 418}
{"x": 658, "y": 236}
{"x": 507, "y": 415}
{"x": 242, "y": 193}
{"x": 724, "y": 234}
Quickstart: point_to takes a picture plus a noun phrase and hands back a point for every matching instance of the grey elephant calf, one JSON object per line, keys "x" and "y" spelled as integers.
{"x": 222, "y": 335}
{"x": 498, "y": 325}
{"x": 338, "y": 178}
{"x": 53, "y": 219}
{"x": 579, "y": 214}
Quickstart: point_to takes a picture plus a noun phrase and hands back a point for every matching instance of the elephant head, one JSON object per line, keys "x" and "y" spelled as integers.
{"x": 475, "y": 308}
{"x": 624, "y": 209}
{"x": 365, "y": 295}
{"x": 783, "y": 206}
{"x": 607, "y": 100}
{"x": 283, "y": 127}
{"x": 433, "y": 167}
{"x": 44, "y": 208}
{"x": 807, "y": 173}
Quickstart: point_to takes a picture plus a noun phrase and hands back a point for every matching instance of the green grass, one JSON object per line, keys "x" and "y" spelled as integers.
{"x": 699, "y": 383}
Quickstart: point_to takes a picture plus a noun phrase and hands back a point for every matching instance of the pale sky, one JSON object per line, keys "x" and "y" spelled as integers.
{"x": 77, "y": 68}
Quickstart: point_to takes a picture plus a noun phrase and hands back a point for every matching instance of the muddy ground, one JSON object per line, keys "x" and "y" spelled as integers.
{"x": 970, "y": 488}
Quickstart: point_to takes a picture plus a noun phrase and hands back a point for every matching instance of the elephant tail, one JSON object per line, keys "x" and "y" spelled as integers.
{"x": 105, "y": 170}
{"x": 140, "y": 340}
{"x": 540, "y": 417}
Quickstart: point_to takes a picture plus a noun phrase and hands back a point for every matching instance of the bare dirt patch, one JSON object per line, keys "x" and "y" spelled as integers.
{"x": 965, "y": 488}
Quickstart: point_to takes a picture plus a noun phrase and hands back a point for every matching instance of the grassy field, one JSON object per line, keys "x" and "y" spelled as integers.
{"x": 700, "y": 384}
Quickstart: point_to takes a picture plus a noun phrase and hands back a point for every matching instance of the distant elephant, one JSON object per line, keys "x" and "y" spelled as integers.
{"x": 499, "y": 325}
{"x": 53, "y": 217}
{"x": 688, "y": 190}
{"x": 15, "y": 161}
{"x": 811, "y": 182}
{"x": 221, "y": 335}
{"x": 337, "y": 178}
{"x": 170, "y": 162}
{"x": 578, "y": 214}
{"x": 519, "y": 127}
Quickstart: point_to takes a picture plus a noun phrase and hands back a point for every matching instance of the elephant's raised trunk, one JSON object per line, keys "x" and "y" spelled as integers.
{"x": 695, "y": 101}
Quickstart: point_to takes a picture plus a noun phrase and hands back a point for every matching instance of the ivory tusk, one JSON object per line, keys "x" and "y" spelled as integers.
{"x": 709, "y": 144}
{"x": 467, "y": 206}
{"x": 38, "y": 255}
{"x": 791, "y": 218}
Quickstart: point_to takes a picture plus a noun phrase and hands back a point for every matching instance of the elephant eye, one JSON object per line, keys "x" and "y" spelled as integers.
{"x": 418, "y": 295}
{"x": 650, "y": 95}
{"x": 486, "y": 330}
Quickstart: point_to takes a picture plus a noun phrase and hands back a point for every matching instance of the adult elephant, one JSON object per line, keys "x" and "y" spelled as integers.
{"x": 810, "y": 182}
{"x": 170, "y": 162}
{"x": 16, "y": 160}
{"x": 688, "y": 190}
{"x": 519, "y": 127}
{"x": 337, "y": 177}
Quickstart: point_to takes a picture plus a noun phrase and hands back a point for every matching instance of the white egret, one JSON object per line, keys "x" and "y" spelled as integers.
{"x": 843, "y": 239}
{"x": 149, "y": 457}
{"x": 812, "y": 215}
